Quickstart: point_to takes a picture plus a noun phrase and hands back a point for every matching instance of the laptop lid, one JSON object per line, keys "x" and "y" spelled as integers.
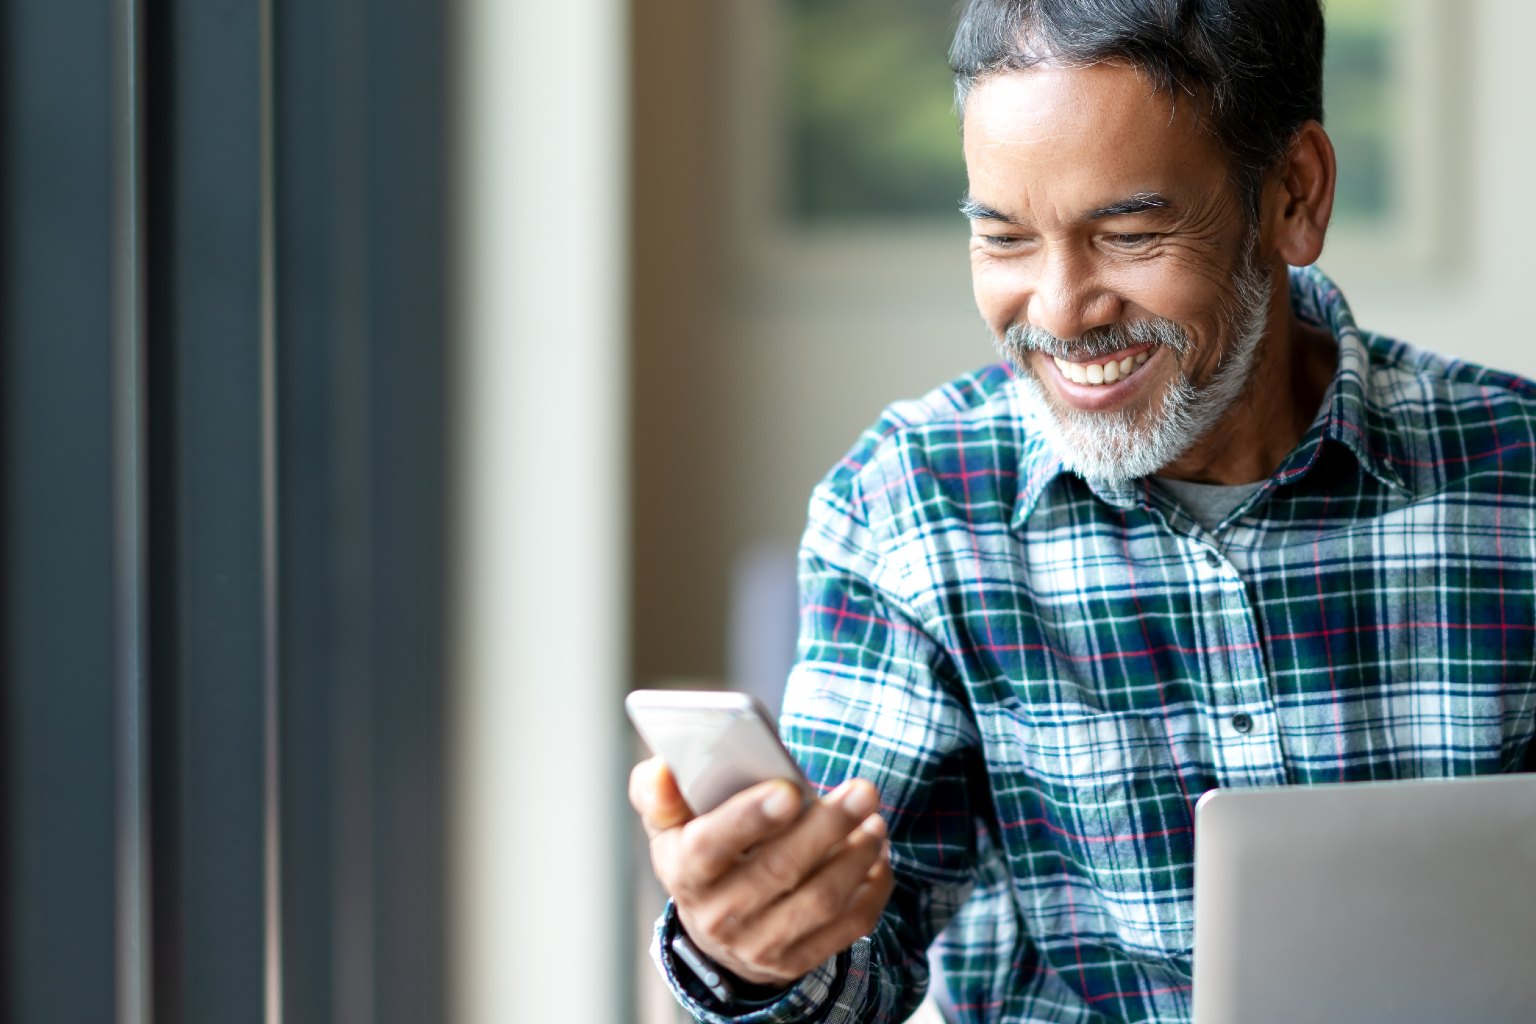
{"x": 1411, "y": 902}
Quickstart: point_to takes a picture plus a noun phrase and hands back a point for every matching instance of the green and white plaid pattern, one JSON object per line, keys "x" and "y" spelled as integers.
{"x": 1043, "y": 675}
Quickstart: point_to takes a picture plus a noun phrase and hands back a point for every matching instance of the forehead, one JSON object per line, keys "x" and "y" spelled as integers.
{"x": 1084, "y": 134}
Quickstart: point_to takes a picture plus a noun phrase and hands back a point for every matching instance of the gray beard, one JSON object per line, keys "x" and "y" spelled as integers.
{"x": 1113, "y": 446}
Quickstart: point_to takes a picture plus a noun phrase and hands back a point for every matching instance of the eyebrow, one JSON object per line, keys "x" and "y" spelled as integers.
{"x": 1141, "y": 202}
{"x": 972, "y": 210}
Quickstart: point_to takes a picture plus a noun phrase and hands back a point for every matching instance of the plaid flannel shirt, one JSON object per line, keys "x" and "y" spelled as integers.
{"x": 1042, "y": 674}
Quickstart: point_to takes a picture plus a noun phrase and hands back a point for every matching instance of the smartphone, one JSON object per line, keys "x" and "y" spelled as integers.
{"x": 716, "y": 743}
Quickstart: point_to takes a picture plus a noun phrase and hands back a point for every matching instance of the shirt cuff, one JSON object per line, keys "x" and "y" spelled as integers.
{"x": 808, "y": 1000}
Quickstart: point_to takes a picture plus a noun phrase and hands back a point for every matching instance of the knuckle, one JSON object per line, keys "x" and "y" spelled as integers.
{"x": 680, "y": 883}
{"x": 679, "y": 887}
{"x": 712, "y": 923}
{"x": 694, "y": 844}
{"x": 763, "y": 952}
{"x": 827, "y": 900}
{"x": 690, "y": 885}
{"x": 778, "y": 868}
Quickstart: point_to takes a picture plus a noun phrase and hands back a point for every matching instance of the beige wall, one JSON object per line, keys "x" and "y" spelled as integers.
{"x": 1476, "y": 309}
{"x": 537, "y": 895}
{"x": 746, "y": 387}
{"x": 679, "y": 537}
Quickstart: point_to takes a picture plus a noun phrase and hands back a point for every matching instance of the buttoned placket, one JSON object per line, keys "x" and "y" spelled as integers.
{"x": 1242, "y": 723}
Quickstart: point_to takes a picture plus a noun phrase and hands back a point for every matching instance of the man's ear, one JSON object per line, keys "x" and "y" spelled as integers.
{"x": 1299, "y": 200}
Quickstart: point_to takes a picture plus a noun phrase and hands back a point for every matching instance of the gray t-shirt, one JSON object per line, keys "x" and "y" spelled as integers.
{"x": 1207, "y": 504}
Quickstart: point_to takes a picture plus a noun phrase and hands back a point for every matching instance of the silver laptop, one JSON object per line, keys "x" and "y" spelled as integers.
{"x": 1403, "y": 902}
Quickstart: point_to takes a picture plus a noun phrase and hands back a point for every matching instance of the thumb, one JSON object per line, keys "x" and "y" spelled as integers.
{"x": 658, "y": 799}
{"x": 668, "y": 808}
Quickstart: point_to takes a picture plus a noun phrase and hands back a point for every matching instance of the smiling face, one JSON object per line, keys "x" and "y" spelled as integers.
{"x": 1114, "y": 262}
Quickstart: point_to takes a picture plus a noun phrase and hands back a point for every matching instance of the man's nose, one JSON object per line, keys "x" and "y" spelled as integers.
{"x": 1068, "y": 298}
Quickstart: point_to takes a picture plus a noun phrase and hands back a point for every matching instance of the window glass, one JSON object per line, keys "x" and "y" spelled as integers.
{"x": 1357, "y": 75}
{"x": 872, "y": 132}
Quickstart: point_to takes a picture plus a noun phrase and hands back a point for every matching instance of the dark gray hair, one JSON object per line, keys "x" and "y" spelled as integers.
{"x": 1256, "y": 64}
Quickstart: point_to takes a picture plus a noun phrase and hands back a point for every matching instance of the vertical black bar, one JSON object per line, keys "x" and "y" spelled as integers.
{"x": 212, "y": 634}
{"x": 406, "y": 213}
{"x": 134, "y": 933}
{"x": 309, "y": 612}
{"x": 361, "y": 321}
{"x": 232, "y": 342}
{"x": 60, "y": 614}
{"x": 325, "y": 467}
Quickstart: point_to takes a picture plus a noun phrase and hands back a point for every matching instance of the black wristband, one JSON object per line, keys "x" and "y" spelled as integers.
{"x": 721, "y": 983}
{"x": 709, "y": 973}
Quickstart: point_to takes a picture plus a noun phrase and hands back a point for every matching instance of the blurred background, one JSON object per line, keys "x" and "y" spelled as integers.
{"x": 389, "y": 387}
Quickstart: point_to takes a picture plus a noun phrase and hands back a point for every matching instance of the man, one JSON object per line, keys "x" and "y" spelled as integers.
{"x": 1199, "y": 531}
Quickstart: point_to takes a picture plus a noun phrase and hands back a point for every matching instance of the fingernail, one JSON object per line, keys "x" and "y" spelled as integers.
{"x": 780, "y": 803}
{"x": 874, "y": 825}
{"x": 858, "y": 798}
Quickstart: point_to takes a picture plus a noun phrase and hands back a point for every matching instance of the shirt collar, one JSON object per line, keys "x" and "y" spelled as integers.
{"x": 1350, "y": 415}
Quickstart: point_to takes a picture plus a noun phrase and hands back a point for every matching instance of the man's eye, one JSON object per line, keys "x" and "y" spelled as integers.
{"x": 1000, "y": 241}
{"x": 1131, "y": 241}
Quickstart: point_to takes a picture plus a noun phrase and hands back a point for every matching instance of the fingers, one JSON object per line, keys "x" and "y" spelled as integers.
{"x": 859, "y": 917}
{"x": 823, "y": 896}
{"x": 782, "y": 854}
{"x": 811, "y": 868}
{"x": 654, "y": 795}
{"x": 840, "y": 902}
{"x": 781, "y": 866}
{"x": 708, "y": 847}
{"x": 764, "y": 887}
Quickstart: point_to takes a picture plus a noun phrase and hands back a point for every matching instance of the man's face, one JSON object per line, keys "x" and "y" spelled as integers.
{"x": 1113, "y": 261}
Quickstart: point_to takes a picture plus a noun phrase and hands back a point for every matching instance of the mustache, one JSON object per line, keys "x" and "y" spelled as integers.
{"x": 1096, "y": 341}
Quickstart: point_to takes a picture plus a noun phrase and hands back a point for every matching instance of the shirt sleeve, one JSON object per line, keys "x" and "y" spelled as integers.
{"x": 811, "y": 999}
{"x": 875, "y": 696}
{"x": 867, "y": 700}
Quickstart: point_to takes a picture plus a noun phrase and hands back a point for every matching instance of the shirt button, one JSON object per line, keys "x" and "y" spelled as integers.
{"x": 1213, "y": 560}
{"x": 1242, "y": 722}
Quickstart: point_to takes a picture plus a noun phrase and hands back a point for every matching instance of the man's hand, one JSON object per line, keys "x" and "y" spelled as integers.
{"x": 763, "y": 890}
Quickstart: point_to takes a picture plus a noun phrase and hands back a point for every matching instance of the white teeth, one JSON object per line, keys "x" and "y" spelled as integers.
{"x": 1100, "y": 373}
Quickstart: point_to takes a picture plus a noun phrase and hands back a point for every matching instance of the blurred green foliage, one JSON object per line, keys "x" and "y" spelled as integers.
{"x": 1357, "y": 100}
{"x": 872, "y": 132}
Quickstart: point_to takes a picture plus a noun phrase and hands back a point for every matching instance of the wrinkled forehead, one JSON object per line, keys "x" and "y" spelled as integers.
{"x": 1055, "y": 142}
{"x": 1049, "y": 101}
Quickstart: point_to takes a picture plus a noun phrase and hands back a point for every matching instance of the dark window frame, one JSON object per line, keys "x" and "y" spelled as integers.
{"x": 224, "y": 442}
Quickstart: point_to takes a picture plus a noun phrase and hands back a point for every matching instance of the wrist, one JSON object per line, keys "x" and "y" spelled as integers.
{"x": 759, "y": 992}
{"x": 723, "y": 984}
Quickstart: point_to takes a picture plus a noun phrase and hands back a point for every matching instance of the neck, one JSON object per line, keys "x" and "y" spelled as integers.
{"x": 1291, "y": 373}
